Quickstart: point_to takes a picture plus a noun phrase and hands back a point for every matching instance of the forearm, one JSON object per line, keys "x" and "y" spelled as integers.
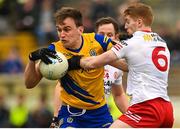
{"x": 32, "y": 75}
{"x": 57, "y": 100}
{"x": 98, "y": 61}
{"x": 121, "y": 102}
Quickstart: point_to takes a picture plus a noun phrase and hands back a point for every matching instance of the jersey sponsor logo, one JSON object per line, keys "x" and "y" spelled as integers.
{"x": 106, "y": 74}
{"x": 152, "y": 37}
{"x": 156, "y": 37}
{"x": 107, "y": 89}
{"x": 107, "y": 83}
{"x": 147, "y": 37}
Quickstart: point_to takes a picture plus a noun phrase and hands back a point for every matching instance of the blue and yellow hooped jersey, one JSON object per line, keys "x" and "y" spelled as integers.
{"x": 84, "y": 89}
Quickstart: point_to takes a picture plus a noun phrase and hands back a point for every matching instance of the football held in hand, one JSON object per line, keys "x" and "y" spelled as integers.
{"x": 57, "y": 69}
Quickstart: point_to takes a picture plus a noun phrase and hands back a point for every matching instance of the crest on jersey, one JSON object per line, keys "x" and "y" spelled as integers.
{"x": 92, "y": 52}
{"x": 69, "y": 119}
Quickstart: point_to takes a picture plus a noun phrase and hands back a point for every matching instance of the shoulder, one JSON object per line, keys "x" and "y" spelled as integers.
{"x": 55, "y": 45}
{"x": 89, "y": 35}
{"x": 97, "y": 37}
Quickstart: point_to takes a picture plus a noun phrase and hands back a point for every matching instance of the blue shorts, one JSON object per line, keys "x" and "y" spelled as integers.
{"x": 79, "y": 118}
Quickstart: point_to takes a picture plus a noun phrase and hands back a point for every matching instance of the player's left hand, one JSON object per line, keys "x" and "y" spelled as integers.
{"x": 74, "y": 63}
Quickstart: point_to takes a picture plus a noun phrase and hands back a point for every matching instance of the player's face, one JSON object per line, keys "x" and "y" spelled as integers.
{"x": 108, "y": 30}
{"x": 69, "y": 33}
{"x": 131, "y": 25}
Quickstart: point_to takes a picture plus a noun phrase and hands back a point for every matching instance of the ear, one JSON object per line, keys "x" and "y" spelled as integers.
{"x": 117, "y": 36}
{"x": 139, "y": 23}
{"x": 80, "y": 29}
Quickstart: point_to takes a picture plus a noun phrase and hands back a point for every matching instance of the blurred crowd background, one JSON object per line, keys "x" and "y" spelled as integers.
{"x": 26, "y": 25}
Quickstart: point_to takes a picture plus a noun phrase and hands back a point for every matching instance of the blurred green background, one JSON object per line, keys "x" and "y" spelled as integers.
{"x": 26, "y": 25}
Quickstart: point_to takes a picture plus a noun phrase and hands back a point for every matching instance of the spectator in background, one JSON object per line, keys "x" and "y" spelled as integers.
{"x": 177, "y": 37}
{"x": 27, "y": 15}
{"x": 175, "y": 54}
{"x": 120, "y": 19}
{"x": 1, "y": 66}
{"x": 13, "y": 63}
{"x": 164, "y": 31}
{"x": 41, "y": 116}
{"x": 101, "y": 8}
{"x": 4, "y": 113}
{"x": 19, "y": 113}
{"x": 46, "y": 29}
{"x": 4, "y": 16}
{"x": 84, "y": 7}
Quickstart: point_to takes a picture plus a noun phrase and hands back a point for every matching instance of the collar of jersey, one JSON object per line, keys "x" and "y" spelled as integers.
{"x": 140, "y": 32}
{"x": 146, "y": 30}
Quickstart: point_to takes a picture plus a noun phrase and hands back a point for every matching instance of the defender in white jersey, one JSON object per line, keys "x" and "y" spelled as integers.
{"x": 112, "y": 76}
{"x": 148, "y": 61}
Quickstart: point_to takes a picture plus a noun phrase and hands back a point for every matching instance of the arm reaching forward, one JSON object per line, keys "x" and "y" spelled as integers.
{"x": 98, "y": 61}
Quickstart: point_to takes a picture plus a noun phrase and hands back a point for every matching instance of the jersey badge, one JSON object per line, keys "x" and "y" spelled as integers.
{"x": 92, "y": 52}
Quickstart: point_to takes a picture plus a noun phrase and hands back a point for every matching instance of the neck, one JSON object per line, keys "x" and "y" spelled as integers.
{"x": 145, "y": 29}
{"x": 77, "y": 44}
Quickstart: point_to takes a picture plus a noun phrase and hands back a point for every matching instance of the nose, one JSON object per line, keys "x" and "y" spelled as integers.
{"x": 125, "y": 27}
{"x": 62, "y": 34}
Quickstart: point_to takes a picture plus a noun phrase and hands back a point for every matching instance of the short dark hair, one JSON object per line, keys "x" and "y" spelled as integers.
{"x": 107, "y": 20}
{"x": 140, "y": 10}
{"x": 66, "y": 12}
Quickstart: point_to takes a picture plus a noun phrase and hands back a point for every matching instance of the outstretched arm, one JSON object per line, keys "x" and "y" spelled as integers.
{"x": 98, "y": 61}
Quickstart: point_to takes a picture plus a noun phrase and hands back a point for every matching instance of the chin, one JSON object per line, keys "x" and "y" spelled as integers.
{"x": 130, "y": 33}
{"x": 66, "y": 45}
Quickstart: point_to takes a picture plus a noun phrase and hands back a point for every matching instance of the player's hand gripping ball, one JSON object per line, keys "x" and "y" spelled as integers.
{"x": 56, "y": 69}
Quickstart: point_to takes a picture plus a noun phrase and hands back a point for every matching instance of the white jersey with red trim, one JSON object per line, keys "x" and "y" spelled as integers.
{"x": 148, "y": 61}
{"x": 112, "y": 75}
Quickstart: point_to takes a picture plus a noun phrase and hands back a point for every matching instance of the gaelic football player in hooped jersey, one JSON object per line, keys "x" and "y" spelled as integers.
{"x": 148, "y": 61}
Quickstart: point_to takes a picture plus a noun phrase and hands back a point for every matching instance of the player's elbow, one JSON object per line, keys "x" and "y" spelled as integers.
{"x": 31, "y": 82}
{"x": 29, "y": 85}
